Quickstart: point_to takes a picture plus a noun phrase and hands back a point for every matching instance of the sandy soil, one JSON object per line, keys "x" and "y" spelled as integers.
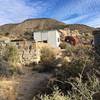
{"x": 23, "y": 87}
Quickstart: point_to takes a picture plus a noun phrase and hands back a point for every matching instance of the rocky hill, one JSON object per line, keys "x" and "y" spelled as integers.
{"x": 31, "y": 25}
{"x": 82, "y": 28}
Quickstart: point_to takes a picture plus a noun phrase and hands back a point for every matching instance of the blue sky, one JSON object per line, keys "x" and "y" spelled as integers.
{"x": 69, "y": 11}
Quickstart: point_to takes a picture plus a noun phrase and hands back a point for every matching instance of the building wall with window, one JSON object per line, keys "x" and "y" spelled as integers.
{"x": 51, "y": 37}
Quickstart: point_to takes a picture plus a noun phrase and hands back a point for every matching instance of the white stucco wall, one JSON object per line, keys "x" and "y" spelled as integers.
{"x": 51, "y": 36}
{"x": 37, "y": 36}
{"x": 44, "y": 35}
{"x": 57, "y": 38}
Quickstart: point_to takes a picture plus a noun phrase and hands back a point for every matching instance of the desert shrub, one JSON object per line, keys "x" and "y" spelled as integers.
{"x": 9, "y": 60}
{"x": 76, "y": 79}
{"x": 84, "y": 90}
{"x": 48, "y": 56}
{"x": 63, "y": 45}
{"x": 82, "y": 62}
{"x": 80, "y": 90}
{"x": 7, "y": 34}
{"x": 78, "y": 50}
{"x": 11, "y": 55}
{"x": 28, "y": 35}
{"x": 81, "y": 58}
{"x": 7, "y": 69}
{"x": 69, "y": 50}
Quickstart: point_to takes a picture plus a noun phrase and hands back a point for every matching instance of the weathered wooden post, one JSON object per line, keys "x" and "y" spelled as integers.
{"x": 96, "y": 34}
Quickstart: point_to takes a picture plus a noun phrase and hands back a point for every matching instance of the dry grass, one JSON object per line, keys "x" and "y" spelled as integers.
{"x": 47, "y": 55}
{"x": 80, "y": 90}
{"x": 9, "y": 61}
{"x": 12, "y": 55}
{"x": 7, "y": 89}
{"x": 80, "y": 71}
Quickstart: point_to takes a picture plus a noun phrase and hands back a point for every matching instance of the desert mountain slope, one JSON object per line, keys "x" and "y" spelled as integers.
{"x": 81, "y": 27}
{"x": 31, "y": 25}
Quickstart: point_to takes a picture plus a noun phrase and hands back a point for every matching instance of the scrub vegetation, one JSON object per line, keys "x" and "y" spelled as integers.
{"x": 75, "y": 80}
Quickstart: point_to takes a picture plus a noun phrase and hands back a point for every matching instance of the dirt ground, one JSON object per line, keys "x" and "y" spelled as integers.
{"x": 23, "y": 87}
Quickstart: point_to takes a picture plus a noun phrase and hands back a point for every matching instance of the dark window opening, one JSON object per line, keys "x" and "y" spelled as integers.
{"x": 17, "y": 43}
{"x": 16, "y": 40}
{"x": 33, "y": 36}
{"x": 58, "y": 40}
{"x": 45, "y": 41}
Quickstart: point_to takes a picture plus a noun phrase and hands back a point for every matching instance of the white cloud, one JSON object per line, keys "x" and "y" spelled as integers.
{"x": 95, "y": 21}
{"x": 91, "y": 20}
{"x": 71, "y": 11}
{"x": 79, "y": 7}
{"x": 76, "y": 19}
{"x": 87, "y": 12}
{"x": 18, "y": 10}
